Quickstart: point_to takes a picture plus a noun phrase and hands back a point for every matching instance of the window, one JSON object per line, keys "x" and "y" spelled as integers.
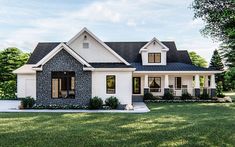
{"x": 110, "y": 84}
{"x": 63, "y": 84}
{"x": 136, "y": 85}
{"x": 154, "y": 84}
{"x": 154, "y": 57}
{"x": 178, "y": 83}
{"x": 85, "y": 45}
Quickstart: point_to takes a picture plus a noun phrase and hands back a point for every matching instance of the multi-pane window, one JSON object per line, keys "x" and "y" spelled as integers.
{"x": 154, "y": 57}
{"x": 63, "y": 84}
{"x": 154, "y": 84}
{"x": 136, "y": 85}
{"x": 85, "y": 45}
{"x": 110, "y": 84}
{"x": 178, "y": 83}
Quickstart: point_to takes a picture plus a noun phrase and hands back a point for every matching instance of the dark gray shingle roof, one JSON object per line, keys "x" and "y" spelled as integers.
{"x": 128, "y": 50}
{"x": 169, "y": 67}
{"x": 110, "y": 65}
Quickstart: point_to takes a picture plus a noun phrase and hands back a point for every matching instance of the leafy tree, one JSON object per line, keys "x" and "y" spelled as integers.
{"x": 229, "y": 79}
{"x": 10, "y": 59}
{"x": 197, "y": 60}
{"x": 219, "y": 18}
{"x": 216, "y": 63}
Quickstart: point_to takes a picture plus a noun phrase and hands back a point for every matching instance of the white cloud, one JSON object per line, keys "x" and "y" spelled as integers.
{"x": 125, "y": 19}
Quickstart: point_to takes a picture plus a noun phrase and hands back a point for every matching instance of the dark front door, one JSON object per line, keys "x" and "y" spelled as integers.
{"x": 136, "y": 85}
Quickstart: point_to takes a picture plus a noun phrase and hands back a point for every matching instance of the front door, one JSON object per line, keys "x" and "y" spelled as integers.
{"x": 136, "y": 85}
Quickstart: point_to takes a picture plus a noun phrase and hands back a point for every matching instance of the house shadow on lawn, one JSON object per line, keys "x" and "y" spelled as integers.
{"x": 166, "y": 125}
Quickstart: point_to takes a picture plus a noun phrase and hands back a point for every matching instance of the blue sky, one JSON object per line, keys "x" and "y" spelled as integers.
{"x": 23, "y": 23}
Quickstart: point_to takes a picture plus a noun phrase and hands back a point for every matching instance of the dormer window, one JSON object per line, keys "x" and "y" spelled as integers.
{"x": 85, "y": 45}
{"x": 154, "y": 57}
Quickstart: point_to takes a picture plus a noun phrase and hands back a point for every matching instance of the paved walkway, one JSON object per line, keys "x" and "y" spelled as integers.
{"x": 139, "y": 107}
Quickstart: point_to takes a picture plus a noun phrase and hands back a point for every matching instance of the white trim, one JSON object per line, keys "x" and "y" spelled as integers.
{"x": 25, "y": 69}
{"x": 56, "y": 50}
{"x": 114, "y": 69}
{"x": 101, "y": 42}
{"x": 169, "y": 72}
{"x": 165, "y": 48}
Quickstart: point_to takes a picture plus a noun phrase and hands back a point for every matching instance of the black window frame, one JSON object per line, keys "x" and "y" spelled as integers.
{"x": 176, "y": 83}
{"x": 107, "y": 90}
{"x": 154, "y": 59}
{"x": 59, "y": 75}
{"x": 133, "y": 89}
{"x": 159, "y": 89}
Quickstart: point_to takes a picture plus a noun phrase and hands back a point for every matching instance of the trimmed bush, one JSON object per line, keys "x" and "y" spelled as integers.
{"x": 148, "y": 96}
{"x": 96, "y": 103}
{"x": 112, "y": 102}
{"x": 168, "y": 96}
{"x": 186, "y": 96}
{"x": 27, "y": 103}
{"x": 219, "y": 90}
{"x": 204, "y": 96}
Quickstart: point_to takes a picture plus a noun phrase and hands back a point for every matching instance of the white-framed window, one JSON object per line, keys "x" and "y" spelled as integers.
{"x": 154, "y": 84}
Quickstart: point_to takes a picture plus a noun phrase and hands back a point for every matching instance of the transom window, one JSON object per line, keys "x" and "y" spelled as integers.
{"x": 110, "y": 84}
{"x": 154, "y": 57}
{"x": 63, "y": 84}
{"x": 154, "y": 84}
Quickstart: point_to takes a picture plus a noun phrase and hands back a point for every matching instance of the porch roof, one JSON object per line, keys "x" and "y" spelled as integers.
{"x": 170, "y": 67}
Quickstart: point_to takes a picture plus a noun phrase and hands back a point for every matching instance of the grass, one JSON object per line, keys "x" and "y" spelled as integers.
{"x": 191, "y": 124}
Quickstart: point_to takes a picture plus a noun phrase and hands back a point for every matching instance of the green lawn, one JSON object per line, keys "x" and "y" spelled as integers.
{"x": 193, "y": 124}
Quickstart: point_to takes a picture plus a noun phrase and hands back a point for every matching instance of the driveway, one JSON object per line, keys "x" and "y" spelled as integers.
{"x": 9, "y": 104}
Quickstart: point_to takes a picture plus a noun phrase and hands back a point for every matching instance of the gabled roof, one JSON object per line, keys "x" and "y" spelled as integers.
{"x": 144, "y": 48}
{"x": 128, "y": 50}
{"x": 59, "y": 47}
{"x": 98, "y": 40}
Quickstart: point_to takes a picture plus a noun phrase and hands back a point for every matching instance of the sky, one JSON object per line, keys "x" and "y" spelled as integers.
{"x": 24, "y": 23}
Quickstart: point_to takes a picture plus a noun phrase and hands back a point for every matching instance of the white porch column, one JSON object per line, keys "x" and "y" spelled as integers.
{"x": 166, "y": 81}
{"x": 213, "y": 85}
{"x": 197, "y": 85}
{"x": 206, "y": 81}
{"x": 146, "y": 85}
{"x": 197, "y": 81}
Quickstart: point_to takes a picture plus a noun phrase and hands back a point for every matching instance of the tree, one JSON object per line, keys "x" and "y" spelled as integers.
{"x": 197, "y": 59}
{"x": 229, "y": 77}
{"x": 216, "y": 64}
{"x": 10, "y": 59}
{"x": 219, "y": 18}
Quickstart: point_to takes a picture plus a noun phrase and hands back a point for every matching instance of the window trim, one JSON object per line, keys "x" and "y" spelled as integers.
{"x": 159, "y": 85}
{"x": 139, "y": 92}
{"x": 154, "y": 57}
{"x": 107, "y": 84}
{"x": 67, "y": 76}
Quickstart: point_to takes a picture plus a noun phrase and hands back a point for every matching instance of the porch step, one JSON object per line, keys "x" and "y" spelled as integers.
{"x": 137, "y": 98}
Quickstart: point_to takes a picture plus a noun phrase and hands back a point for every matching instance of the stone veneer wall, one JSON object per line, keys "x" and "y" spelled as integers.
{"x": 63, "y": 61}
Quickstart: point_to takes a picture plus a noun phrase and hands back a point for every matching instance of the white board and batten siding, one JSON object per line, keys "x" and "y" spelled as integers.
{"x": 26, "y": 85}
{"x": 123, "y": 85}
{"x": 95, "y": 53}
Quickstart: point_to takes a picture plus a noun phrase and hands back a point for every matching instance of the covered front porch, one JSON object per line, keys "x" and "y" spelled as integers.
{"x": 175, "y": 82}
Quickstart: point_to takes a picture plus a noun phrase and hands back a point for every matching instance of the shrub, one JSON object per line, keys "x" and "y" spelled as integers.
{"x": 112, "y": 102}
{"x": 96, "y": 103}
{"x": 186, "y": 96}
{"x": 168, "y": 96}
{"x": 204, "y": 96}
{"x": 27, "y": 103}
{"x": 219, "y": 90}
{"x": 148, "y": 96}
